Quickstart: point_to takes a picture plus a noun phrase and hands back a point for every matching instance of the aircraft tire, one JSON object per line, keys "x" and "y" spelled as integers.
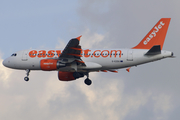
{"x": 26, "y": 79}
{"x": 87, "y": 81}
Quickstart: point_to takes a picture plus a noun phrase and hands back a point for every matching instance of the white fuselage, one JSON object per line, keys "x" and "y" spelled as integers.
{"x": 73, "y": 62}
{"x": 108, "y": 59}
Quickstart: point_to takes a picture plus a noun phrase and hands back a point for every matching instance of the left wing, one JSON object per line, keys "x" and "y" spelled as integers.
{"x": 72, "y": 53}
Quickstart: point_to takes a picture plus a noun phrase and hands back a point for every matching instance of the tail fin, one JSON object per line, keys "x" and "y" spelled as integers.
{"x": 156, "y": 36}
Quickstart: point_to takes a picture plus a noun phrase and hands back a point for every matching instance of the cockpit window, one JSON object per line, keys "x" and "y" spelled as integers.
{"x": 14, "y": 54}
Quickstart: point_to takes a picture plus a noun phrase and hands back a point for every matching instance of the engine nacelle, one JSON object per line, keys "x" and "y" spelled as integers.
{"x": 68, "y": 76}
{"x": 50, "y": 64}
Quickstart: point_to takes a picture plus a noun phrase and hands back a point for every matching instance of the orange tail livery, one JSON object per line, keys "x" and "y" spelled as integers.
{"x": 156, "y": 36}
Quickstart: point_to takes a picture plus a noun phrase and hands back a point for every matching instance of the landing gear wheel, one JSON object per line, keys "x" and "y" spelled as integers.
{"x": 26, "y": 79}
{"x": 27, "y": 73}
{"x": 87, "y": 81}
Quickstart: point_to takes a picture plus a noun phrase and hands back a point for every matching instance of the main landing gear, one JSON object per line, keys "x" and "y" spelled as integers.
{"x": 27, "y": 73}
{"x": 87, "y": 81}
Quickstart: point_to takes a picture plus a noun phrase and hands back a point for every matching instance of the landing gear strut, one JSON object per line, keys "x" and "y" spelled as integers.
{"x": 27, "y": 73}
{"x": 87, "y": 81}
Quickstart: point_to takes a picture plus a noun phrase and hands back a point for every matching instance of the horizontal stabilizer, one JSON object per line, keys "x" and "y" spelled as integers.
{"x": 156, "y": 49}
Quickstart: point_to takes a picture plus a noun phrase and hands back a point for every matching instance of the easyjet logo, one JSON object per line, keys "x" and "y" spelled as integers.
{"x": 154, "y": 33}
{"x": 44, "y": 53}
{"x": 85, "y": 53}
{"x": 48, "y": 63}
{"x": 103, "y": 53}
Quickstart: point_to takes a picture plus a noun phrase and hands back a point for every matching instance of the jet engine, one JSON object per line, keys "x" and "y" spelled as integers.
{"x": 50, "y": 64}
{"x": 69, "y": 76}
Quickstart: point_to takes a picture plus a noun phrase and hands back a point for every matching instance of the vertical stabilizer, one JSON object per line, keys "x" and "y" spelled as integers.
{"x": 156, "y": 36}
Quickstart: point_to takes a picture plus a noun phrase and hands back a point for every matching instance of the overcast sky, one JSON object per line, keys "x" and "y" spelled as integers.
{"x": 148, "y": 92}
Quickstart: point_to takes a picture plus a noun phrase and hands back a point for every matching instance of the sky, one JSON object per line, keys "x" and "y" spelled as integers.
{"x": 148, "y": 92}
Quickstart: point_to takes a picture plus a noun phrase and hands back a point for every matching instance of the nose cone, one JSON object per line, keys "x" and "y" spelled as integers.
{"x": 5, "y": 63}
{"x": 8, "y": 63}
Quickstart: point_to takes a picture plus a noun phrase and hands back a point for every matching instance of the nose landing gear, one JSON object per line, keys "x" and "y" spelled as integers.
{"x": 27, "y": 73}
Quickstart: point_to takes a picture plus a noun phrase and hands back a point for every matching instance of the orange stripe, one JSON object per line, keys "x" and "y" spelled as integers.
{"x": 104, "y": 70}
{"x": 75, "y": 48}
{"x": 80, "y": 61}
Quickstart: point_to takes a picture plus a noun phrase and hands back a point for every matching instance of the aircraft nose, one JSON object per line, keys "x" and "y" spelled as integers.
{"x": 5, "y": 63}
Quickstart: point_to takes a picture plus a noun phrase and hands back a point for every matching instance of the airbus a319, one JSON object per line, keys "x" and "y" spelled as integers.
{"x": 74, "y": 62}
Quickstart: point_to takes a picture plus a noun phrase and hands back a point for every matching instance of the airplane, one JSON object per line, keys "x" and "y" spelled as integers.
{"x": 74, "y": 62}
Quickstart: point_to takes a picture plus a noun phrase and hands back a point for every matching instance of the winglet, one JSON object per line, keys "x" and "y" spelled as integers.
{"x": 79, "y": 37}
{"x": 128, "y": 69}
{"x": 156, "y": 36}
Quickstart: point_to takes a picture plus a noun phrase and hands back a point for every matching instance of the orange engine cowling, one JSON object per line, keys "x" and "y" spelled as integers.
{"x": 68, "y": 76}
{"x": 48, "y": 64}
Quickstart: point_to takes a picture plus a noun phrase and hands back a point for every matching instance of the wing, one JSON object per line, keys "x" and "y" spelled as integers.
{"x": 72, "y": 53}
